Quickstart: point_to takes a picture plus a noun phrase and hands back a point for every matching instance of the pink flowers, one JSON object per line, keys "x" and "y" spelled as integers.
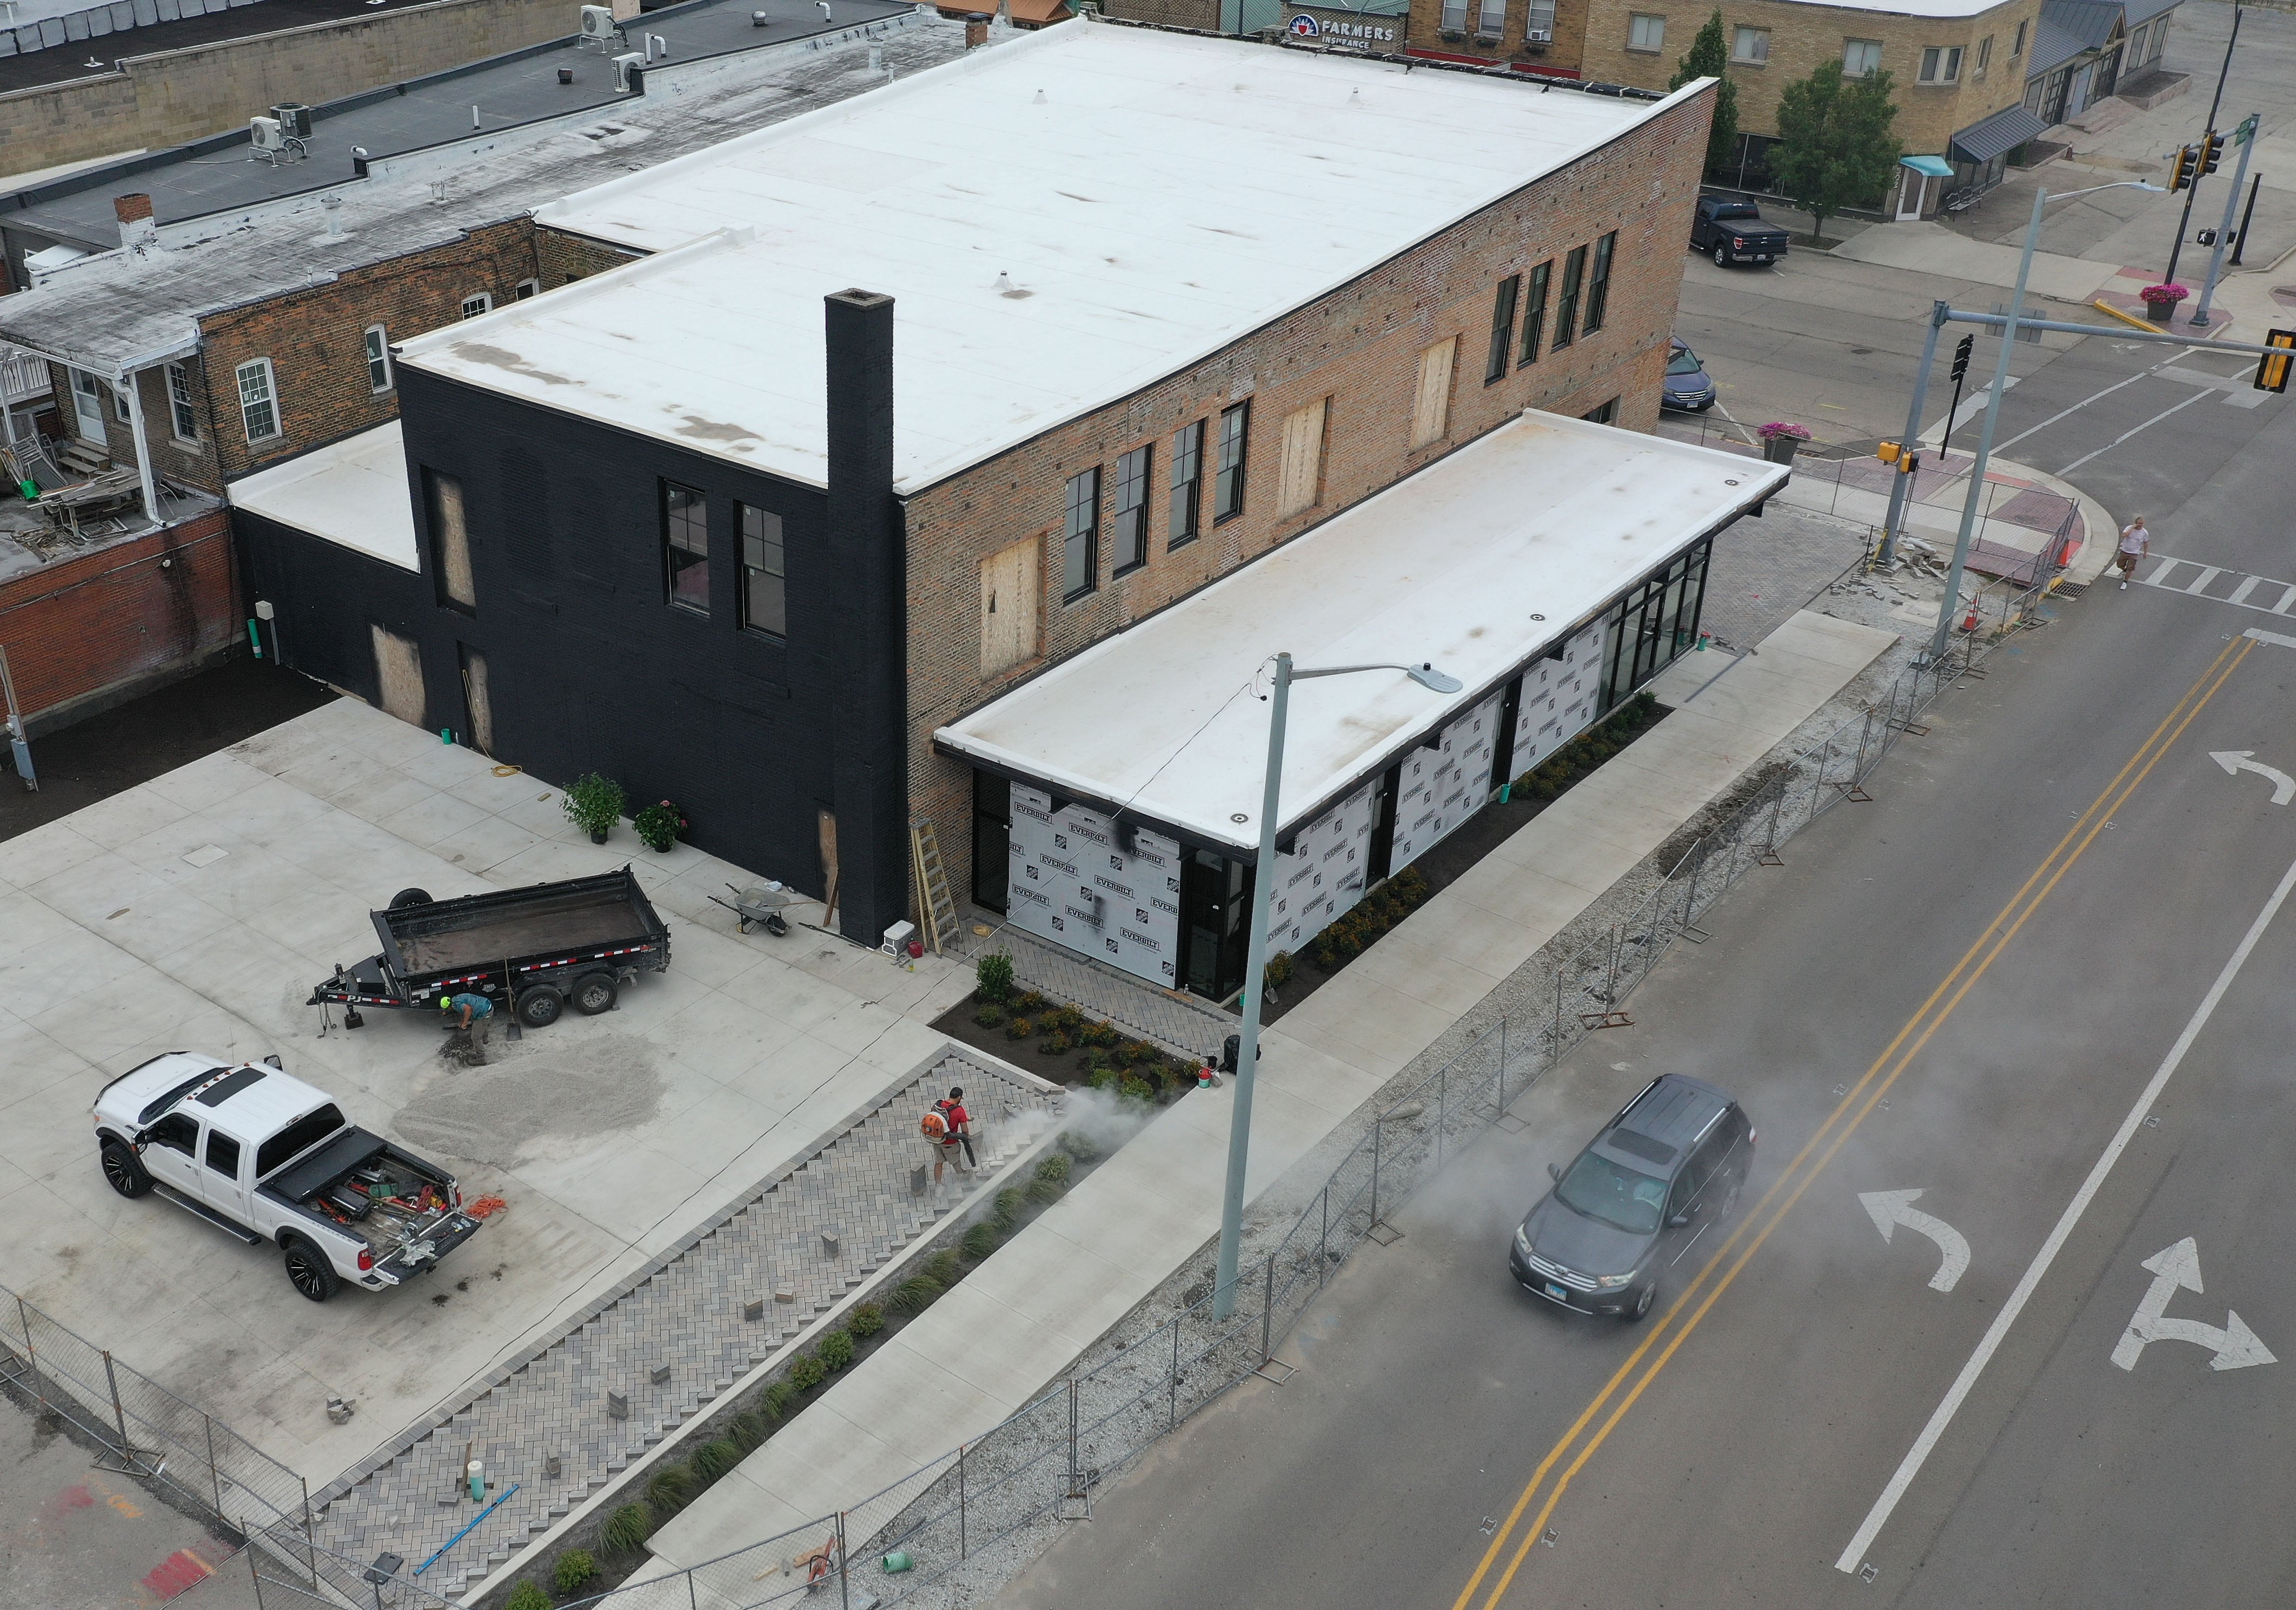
{"x": 1779, "y": 427}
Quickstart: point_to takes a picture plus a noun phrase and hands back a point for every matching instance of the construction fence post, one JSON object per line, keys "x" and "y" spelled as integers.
{"x": 215, "y": 1476}
{"x": 844, "y": 1568}
{"x": 1268, "y": 1314}
{"x": 32, "y": 1355}
{"x": 693, "y": 1599}
{"x": 310, "y": 1534}
{"x": 119, "y": 1415}
{"x": 1172, "y": 1418}
{"x": 1324, "y": 1233}
{"x": 961, "y": 1551}
{"x": 1377, "y": 1125}
{"x": 1502, "y": 1109}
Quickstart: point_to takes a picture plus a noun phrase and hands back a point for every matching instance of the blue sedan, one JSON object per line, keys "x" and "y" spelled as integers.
{"x": 1688, "y": 387}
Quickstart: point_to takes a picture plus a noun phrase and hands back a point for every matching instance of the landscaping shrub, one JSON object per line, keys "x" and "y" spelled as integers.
{"x": 992, "y": 977}
{"x": 836, "y": 1350}
{"x": 1020, "y": 1028}
{"x": 626, "y": 1529}
{"x": 1137, "y": 1089}
{"x": 808, "y": 1372}
{"x": 990, "y": 1017}
{"x": 1068, "y": 1020}
{"x": 981, "y": 1240}
{"x": 576, "y": 1568}
{"x": 749, "y": 1428}
{"x": 526, "y": 1595}
{"x": 916, "y": 1294}
{"x": 1056, "y": 1045}
{"x": 1103, "y": 1077}
{"x": 867, "y": 1320}
{"x": 945, "y": 1266}
{"x": 1136, "y": 1050}
{"x": 1279, "y": 969}
{"x": 1045, "y": 1190}
{"x": 1007, "y": 1210}
{"x": 1102, "y": 1034}
{"x": 1030, "y": 1002}
{"x": 714, "y": 1459}
{"x": 1055, "y": 1168}
{"x": 775, "y": 1398}
{"x": 672, "y": 1489}
{"x": 1078, "y": 1146}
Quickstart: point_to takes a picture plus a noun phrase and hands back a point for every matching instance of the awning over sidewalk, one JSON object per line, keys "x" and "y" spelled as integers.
{"x": 351, "y": 492}
{"x": 1478, "y": 563}
{"x": 1989, "y": 137}
{"x": 1928, "y": 168}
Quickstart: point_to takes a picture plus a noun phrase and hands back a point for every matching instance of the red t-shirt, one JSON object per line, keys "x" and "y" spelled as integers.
{"x": 955, "y": 1114}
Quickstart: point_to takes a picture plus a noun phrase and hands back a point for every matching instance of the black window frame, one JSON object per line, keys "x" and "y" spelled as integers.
{"x": 228, "y": 1168}
{"x": 1081, "y": 536}
{"x": 1534, "y": 315}
{"x": 1234, "y": 462}
{"x": 685, "y": 520}
{"x": 771, "y": 543}
{"x": 1503, "y": 305}
{"x": 1598, "y": 284}
{"x": 1566, "y": 301}
{"x": 1184, "y": 522}
{"x": 1127, "y": 525}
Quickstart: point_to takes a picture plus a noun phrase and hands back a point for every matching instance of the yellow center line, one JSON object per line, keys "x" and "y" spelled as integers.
{"x": 2091, "y": 820}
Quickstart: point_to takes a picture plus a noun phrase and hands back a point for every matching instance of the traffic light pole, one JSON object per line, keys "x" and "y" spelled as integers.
{"x": 2245, "y": 135}
{"x": 2192, "y": 194}
{"x": 1900, "y": 485}
{"x": 2215, "y": 101}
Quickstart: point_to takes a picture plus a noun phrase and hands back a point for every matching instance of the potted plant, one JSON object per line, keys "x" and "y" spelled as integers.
{"x": 658, "y": 827}
{"x": 2161, "y": 301}
{"x": 593, "y": 803}
{"x": 1780, "y": 440}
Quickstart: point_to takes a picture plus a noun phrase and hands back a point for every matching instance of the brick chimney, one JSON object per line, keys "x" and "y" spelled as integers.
{"x": 136, "y": 223}
{"x": 975, "y": 31}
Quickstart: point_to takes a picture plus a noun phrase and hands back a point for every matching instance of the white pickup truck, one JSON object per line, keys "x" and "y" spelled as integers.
{"x": 267, "y": 1157}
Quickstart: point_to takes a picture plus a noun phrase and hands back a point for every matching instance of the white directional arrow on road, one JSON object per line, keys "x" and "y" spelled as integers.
{"x": 2237, "y": 761}
{"x": 2172, "y": 1268}
{"x": 1891, "y": 1209}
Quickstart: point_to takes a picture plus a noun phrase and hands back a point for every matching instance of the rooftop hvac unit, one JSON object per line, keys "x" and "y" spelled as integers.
{"x": 629, "y": 69}
{"x": 294, "y": 119}
{"x": 265, "y": 134}
{"x": 597, "y": 23}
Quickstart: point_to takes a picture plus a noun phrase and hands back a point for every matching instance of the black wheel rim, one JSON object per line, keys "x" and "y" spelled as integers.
{"x": 308, "y": 1278}
{"x": 119, "y": 1168}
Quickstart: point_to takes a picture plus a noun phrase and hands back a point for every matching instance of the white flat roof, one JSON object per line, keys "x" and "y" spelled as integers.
{"x": 1543, "y": 517}
{"x": 352, "y": 492}
{"x": 1061, "y": 221}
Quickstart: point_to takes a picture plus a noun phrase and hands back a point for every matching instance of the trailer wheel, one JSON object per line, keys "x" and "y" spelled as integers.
{"x": 310, "y": 1271}
{"x": 123, "y": 1170}
{"x": 410, "y": 897}
{"x": 539, "y": 1006}
{"x": 596, "y": 992}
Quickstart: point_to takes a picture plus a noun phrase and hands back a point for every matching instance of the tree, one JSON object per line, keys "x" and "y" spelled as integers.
{"x": 1708, "y": 58}
{"x": 1836, "y": 146}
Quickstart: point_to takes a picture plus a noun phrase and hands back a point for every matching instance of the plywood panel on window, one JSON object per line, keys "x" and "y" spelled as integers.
{"x": 398, "y": 677}
{"x": 1430, "y": 416}
{"x": 1301, "y": 486}
{"x": 1010, "y": 584}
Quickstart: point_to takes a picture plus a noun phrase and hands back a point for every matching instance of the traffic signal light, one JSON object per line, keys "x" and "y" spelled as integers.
{"x": 1960, "y": 356}
{"x": 2188, "y": 166}
{"x": 2212, "y": 152}
{"x": 2272, "y": 373}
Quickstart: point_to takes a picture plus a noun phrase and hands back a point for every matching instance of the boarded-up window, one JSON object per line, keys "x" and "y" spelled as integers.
{"x": 398, "y": 677}
{"x": 450, "y": 543}
{"x": 1302, "y": 483}
{"x": 1430, "y": 415}
{"x": 1010, "y": 582}
{"x": 479, "y": 700}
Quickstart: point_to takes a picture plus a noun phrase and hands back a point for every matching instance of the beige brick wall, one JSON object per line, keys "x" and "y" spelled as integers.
{"x": 1510, "y": 49}
{"x": 1359, "y": 347}
{"x": 1803, "y": 35}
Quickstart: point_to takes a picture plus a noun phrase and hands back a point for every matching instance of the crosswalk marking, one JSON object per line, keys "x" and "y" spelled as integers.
{"x": 2263, "y": 593}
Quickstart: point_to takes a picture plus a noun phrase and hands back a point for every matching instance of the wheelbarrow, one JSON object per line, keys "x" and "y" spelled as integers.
{"x": 762, "y": 905}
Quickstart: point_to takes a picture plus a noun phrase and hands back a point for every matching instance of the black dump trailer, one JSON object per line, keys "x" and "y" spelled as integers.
{"x": 539, "y": 950}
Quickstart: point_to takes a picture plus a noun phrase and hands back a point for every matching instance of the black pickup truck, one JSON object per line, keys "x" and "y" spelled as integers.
{"x": 1732, "y": 231}
{"x": 538, "y": 947}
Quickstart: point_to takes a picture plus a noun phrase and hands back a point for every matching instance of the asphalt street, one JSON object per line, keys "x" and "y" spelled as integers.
{"x": 2009, "y": 984}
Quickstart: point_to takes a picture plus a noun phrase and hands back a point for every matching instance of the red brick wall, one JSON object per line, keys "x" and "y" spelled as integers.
{"x": 1360, "y": 348}
{"x": 126, "y": 614}
{"x": 315, "y": 339}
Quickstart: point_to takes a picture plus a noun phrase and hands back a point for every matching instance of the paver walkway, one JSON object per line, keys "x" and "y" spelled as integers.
{"x": 686, "y": 1315}
{"x": 1179, "y": 1023}
{"x": 995, "y": 1343}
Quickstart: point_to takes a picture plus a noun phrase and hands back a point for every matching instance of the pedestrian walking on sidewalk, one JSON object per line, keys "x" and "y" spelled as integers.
{"x": 2136, "y": 542}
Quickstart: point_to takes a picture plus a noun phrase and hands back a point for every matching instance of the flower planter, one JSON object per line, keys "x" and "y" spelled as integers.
{"x": 2161, "y": 312}
{"x": 1781, "y": 450}
{"x": 597, "y": 835}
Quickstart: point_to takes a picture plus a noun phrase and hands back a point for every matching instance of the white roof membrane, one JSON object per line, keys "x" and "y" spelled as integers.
{"x": 352, "y": 492}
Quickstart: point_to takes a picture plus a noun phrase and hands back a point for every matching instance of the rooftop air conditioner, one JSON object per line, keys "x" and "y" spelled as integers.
{"x": 265, "y": 134}
{"x": 597, "y": 23}
{"x": 629, "y": 69}
{"x": 294, "y": 119}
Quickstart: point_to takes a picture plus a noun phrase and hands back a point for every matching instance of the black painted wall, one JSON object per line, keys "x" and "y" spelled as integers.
{"x": 589, "y": 666}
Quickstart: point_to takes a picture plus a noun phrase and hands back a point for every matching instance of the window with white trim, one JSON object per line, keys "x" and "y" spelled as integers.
{"x": 483, "y": 302}
{"x": 1751, "y": 45}
{"x": 1984, "y": 54}
{"x": 1861, "y": 57}
{"x": 1454, "y": 16}
{"x": 87, "y": 406}
{"x": 525, "y": 288}
{"x": 377, "y": 358}
{"x": 121, "y": 411}
{"x": 258, "y": 400}
{"x": 1490, "y": 19}
{"x": 1941, "y": 64}
{"x": 182, "y": 418}
{"x": 1646, "y": 31}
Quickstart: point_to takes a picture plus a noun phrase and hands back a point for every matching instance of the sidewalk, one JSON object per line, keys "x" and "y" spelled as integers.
{"x": 1928, "y": 248}
{"x": 998, "y": 1341}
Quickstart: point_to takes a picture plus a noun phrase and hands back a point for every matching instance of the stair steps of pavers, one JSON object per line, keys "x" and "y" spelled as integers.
{"x": 684, "y": 1313}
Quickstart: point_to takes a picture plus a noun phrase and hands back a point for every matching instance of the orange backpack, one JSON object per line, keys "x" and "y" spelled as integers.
{"x": 934, "y": 1126}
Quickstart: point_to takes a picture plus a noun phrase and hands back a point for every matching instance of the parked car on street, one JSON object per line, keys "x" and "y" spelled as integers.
{"x": 1667, "y": 1169}
{"x": 538, "y": 950}
{"x": 1731, "y": 232}
{"x": 1688, "y": 387}
{"x": 266, "y": 1157}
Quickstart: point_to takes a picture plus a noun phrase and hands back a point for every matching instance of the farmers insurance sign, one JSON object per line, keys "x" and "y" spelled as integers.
{"x": 1374, "y": 32}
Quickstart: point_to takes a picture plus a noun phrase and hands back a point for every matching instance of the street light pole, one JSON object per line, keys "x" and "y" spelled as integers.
{"x": 1951, "y": 602}
{"x": 1255, "y": 966}
{"x": 1901, "y": 483}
